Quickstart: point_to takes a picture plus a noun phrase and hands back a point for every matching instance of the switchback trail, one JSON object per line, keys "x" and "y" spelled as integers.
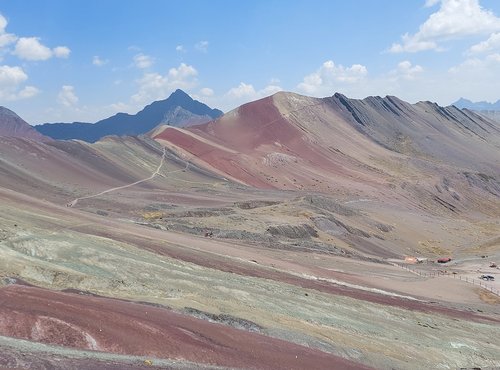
{"x": 155, "y": 173}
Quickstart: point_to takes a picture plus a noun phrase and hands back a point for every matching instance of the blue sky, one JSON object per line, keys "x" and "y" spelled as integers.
{"x": 86, "y": 60}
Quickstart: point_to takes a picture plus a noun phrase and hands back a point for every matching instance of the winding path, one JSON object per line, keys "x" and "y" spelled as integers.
{"x": 155, "y": 173}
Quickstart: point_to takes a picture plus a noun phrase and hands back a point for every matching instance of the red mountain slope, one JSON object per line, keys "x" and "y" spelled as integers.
{"x": 381, "y": 148}
{"x": 13, "y": 125}
{"x": 263, "y": 144}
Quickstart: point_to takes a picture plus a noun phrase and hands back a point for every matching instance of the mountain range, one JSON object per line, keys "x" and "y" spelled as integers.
{"x": 280, "y": 235}
{"x": 289, "y": 141}
{"x": 179, "y": 109}
{"x": 478, "y": 106}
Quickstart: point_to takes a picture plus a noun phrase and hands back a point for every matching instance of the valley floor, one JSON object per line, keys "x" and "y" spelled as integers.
{"x": 316, "y": 304}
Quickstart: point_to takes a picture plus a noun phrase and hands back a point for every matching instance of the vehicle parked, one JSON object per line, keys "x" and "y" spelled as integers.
{"x": 487, "y": 277}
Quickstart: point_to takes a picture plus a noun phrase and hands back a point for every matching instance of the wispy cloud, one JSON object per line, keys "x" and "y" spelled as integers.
{"x": 5, "y": 37}
{"x": 406, "y": 70}
{"x": 491, "y": 44}
{"x": 67, "y": 96}
{"x": 202, "y": 46}
{"x": 207, "y": 92}
{"x": 143, "y": 61}
{"x": 97, "y": 61}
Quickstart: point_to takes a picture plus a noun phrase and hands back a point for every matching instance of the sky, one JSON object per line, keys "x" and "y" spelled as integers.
{"x": 65, "y": 61}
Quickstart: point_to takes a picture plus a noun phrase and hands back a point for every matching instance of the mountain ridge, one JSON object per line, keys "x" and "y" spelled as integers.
{"x": 135, "y": 124}
{"x": 14, "y": 126}
{"x": 292, "y": 142}
{"x": 479, "y": 106}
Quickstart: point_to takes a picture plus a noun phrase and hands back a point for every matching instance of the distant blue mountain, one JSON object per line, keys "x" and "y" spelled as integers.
{"x": 178, "y": 109}
{"x": 482, "y": 105}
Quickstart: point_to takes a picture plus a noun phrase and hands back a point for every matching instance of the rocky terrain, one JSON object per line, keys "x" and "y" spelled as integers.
{"x": 272, "y": 237}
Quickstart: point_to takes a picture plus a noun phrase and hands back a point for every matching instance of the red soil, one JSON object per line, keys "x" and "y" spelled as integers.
{"x": 225, "y": 161}
{"x": 257, "y": 123}
{"x": 110, "y": 325}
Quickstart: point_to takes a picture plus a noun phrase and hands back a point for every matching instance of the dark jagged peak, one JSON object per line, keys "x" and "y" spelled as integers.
{"x": 389, "y": 103}
{"x": 340, "y": 96}
{"x": 14, "y": 126}
{"x": 177, "y": 110}
{"x": 179, "y": 99}
{"x": 350, "y": 106}
{"x": 443, "y": 112}
{"x": 180, "y": 94}
{"x": 371, "y": 110}
{"x": 415, "y": 129}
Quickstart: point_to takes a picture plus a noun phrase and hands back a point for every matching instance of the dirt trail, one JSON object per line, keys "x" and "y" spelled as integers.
{"x": 155, "y": 173}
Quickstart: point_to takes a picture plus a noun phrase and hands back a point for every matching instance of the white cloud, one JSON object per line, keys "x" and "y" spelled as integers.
{"x": 143, "y": 61}
{"x": 180, "y": 48}
{"x": 475, "y": 78}
{"x": 28, "y": 92}
{"x": 5, "y": 38}
{"x": 330, "y": 76}
{"x": 151, "y": 85}
{"x": 61, "y": 52}
{"x": 11, "y": 79}
{"x": 182, "y": 77}
{"x": 406, "y": 70}
{"x": 237, "y": 95}
{"x": 247, "y": 91}
{"x": 67, "y": 96}
{"x": 241, "y": 91}
{"x": 478, "y": 67}
{"x": 244, "y": 93}
{"x": 97, "y": 61}
{"x": 413, "y": 44}
{"x": 492, "y": 43}
{"x": 206, "y": 91}
{"x": 120, "y": 107}
{"x": 202, "y": 46}
{"x": 3, "y": 23}
{"x": 431, "y": 3}
{"x": 12, "y": 76}
{"x": 455, "y": 19}
{"x": 269, "y": 90}
{"x": 30, "y": 48}
{"x": 154, "y": 86}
